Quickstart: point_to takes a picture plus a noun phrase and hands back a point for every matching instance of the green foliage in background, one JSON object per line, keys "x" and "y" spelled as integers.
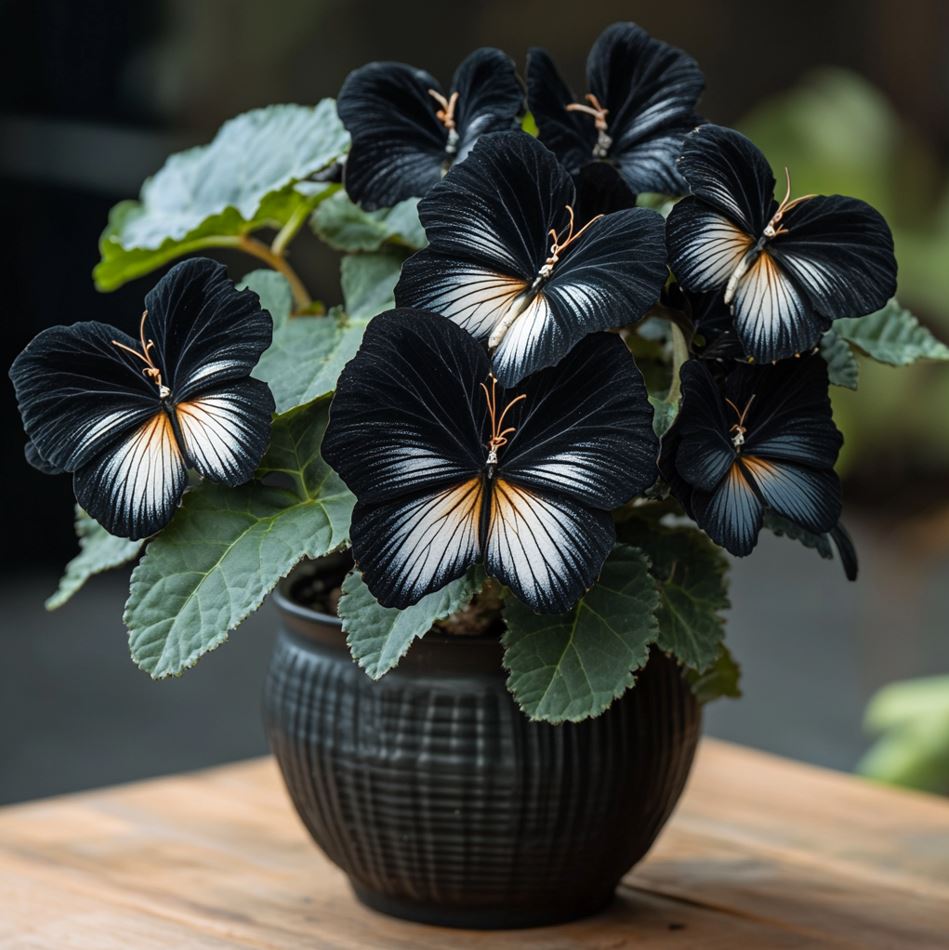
{"x": 911, "y": 718}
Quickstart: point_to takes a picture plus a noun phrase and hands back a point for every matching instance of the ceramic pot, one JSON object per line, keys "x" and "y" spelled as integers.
{"x": 443, "y": 802}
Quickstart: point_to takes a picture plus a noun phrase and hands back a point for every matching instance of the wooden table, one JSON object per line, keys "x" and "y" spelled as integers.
{"x": 762, "y": 852}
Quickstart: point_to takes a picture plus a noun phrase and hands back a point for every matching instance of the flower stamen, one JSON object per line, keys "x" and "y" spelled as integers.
{"x": 599, "y": 113}
{"x": 558, "y": 245}
{"x": 498, "y": 433}
{"x": 739, "y": 429}
{"x": 772, "y": 228}
{"x": 151, "y": 371}
{"x": 446, "y": 115}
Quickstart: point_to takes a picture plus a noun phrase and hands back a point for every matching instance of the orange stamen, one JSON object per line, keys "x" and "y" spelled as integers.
{"x": 151, "y": 371}
{"x": 498, "y": 433}
{"x": 594, "y": 109}
{"x": 446, "y": 114}
{"x": 772, "y": 228}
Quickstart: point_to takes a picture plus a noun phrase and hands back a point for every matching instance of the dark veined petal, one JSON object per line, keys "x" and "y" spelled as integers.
{"x": 398, "y": 143}
{"x": 404, "y": 417}
{"x": 206, "y": 331}
{"x": 569, "y": 135}
{"x": 496, "y": 207}
{"x": 731, "y": 515}
{"x": 705, "y": 246}
{"x": 846, "y": 550}
{"x": 650, "y": 165}
{"x": 840, "y": 252}
{"x": 705, "y": 451}
{"x": 78, "y": 393}
{"x": 33, "y": 457}
{"x": 809, "y": 498}
{"x": 790, "y": 417}
{"x": 547, "y": 548}
{"x": 608, "y": 278}
{"x": 225, "y": 431}
{"x": 647, "y": 86}
{"x": 132, "y": 488}
{"x": 490, "y": 97}
{"x": 600, "y": 190}
{"x": 412, "y": 545}
{"x": 474, "y": 296}
{"x": 584, "y": 429}
{"x": 726, "y": 170}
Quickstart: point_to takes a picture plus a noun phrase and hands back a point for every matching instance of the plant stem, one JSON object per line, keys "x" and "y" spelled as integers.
{"x": 289, "y": 231}
{"x": 301, "y": 296}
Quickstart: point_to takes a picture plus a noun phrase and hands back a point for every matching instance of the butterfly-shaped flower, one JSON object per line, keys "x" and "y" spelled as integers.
{"x": 639, "y": 105}
{"x": 786, "y": 269}
{"x": 129, "y": 417}
{"x": 764, "y": 439}
{"x": 509, "y": 261}
{"x": 407, "y": 131}
{"x": 449, "y": 469}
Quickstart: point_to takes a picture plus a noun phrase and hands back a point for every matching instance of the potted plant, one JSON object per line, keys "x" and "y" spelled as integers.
{"x": 583, "y": 346}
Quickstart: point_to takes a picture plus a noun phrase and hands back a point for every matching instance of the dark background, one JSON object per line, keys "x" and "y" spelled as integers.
{"x": 96, "y": 94}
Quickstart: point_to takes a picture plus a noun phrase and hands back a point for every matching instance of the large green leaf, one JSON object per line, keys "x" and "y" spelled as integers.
{"x": 693, "y": 587}
{"x": 308, "y": 353}
{"x": 346, "y": 227}
{"x": 252, "y": 175}
{"x": 842, "y": 368}
{"x": 892, "y": 335}
{"x": 226, "y": 548}
{"x": 378, "y": 636}
{"x": 98, "y": 551}
{"x": 572, "y": 666}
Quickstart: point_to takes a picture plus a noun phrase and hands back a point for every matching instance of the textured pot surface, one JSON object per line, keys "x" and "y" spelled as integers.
{"x": 444, "y": 803}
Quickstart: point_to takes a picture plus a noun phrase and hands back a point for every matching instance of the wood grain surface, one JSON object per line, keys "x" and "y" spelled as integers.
{"x": 762, "y": 852}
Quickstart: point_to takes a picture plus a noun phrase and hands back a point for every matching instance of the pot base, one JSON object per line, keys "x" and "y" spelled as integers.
{"x": 479, "y": 918}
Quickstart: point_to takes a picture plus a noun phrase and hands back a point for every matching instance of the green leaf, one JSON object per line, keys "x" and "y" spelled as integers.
{"x": 842, "y": 368}
{"x": 892, "y": 336}
{"x": 378, "y": 636}
{"x": 226, "y": 548}
{"x": 663, "y": 414}
{"x": 274, "y": 292}
{"x": 346, "y": 227}
{"x": 693, "y": 587}
{"x": 368, "y": 283}
{"x": 912, "y": 717}
{"x": 252, "y": 175}
{"x": 308, "y": 353}
{"x": 572, "y": 666}
{"x": 720, "y": 679}
{"x": 98, "y": 551}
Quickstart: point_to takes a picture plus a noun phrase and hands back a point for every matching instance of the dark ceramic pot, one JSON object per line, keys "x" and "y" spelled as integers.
{"x": 443, "y": 802}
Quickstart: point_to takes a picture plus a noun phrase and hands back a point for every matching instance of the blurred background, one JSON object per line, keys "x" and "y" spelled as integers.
{"x": 853, "y": 95}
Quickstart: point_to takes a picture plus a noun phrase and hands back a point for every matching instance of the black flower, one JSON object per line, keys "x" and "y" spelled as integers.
{"x": 786, "y": 270}
{"x": 127, "y": 417}
{"x": 509, "y": 260}
{"x": 407, "y": 131}
{"x": 450, "y": 469}
{"x": 639, "y": 105}
{"x": 763, "y": 440}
